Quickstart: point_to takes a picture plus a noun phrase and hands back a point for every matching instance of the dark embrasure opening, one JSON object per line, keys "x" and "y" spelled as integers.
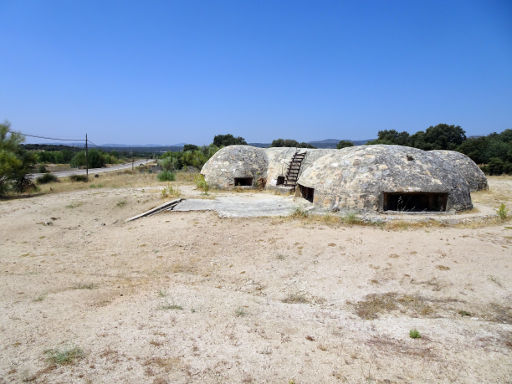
{"x": 414, "y": 201}
{"x": 307, "y": 193}
{"x": 280, "y": 180}
{"x": 243, "y": 181}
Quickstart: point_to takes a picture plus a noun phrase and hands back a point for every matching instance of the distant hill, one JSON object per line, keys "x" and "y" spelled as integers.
{"x": 260, "y": 145}
{"x": 124, "y": 148}
{"x": 332, "y": 143}
{"x": 142, "y": 149}
{"x": 327, "y": 143}
{"x": 158, "y": 148}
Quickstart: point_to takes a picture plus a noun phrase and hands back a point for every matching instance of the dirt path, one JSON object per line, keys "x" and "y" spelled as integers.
{"x": 192, "y": 298}
{"x": 94, "y": 171}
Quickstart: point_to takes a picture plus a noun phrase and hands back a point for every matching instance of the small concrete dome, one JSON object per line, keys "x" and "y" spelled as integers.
{"x": 382, "y": 178}
{"x": 236, "y": 165}
{"x": 467, "y": 168}
{"x": 279, "y": 159}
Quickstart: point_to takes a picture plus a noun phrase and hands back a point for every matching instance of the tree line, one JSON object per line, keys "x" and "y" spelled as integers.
{"x": 492, "y": 152}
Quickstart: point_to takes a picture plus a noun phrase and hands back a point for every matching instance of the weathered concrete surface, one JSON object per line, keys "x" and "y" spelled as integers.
{"x": 279, "y": 159}
{"x": 244, "y": 205}
{"x": 235, "y": 161}
{"x": 355, "y": 177}
{"x": 313, "y": 155}
{"x": 467, "y": 168}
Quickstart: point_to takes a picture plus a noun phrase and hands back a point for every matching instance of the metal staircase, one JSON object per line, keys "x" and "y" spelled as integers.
{"x": 293, "y": 170}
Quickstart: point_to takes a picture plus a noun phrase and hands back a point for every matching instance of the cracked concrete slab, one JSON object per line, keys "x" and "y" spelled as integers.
{"x": 247, "y": 205}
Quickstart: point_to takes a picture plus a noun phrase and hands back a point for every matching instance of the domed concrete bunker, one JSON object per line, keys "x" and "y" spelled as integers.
{"x": 368, "y": 177}
{"x": 236, "y": 166}
{"x": 384, "y": 178}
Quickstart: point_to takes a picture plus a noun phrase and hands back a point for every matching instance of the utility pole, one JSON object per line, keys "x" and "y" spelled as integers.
{"x": 86, "y": 158}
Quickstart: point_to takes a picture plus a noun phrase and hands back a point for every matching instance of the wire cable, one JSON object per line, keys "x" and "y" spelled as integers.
{"x": 47, "y": 138}
{"x": 96, "y": 145}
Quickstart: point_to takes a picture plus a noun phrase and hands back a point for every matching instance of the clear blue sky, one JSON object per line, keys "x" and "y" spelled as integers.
{"x": 165, "y": 72}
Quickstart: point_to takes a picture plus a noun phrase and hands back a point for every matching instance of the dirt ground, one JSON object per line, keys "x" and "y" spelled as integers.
{"x": 193, "y": 298}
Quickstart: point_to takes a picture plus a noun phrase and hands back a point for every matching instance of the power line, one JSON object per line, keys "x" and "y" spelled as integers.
{"x": 48, "y": 138}
{"x": 89, "y": 140}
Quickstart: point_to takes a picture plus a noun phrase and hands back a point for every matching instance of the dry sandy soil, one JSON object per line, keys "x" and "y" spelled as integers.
{"x": 192, "y": 298}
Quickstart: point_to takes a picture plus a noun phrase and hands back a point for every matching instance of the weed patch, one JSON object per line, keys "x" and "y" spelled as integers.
{"x": 414, "y": 334}
{"x": 78, "y": 178}
{"x": 74, "y": 205}
{"x": 296, "y": 298}
{"x": 65, "y": 356}
{"x": 84, "y": 286}
{"x": 174, "y": 307}
{"x": 47, "y": 178}
{"x": 299, "y": 213}
{"x": 170, "y": 191}
{"x": 240, "y": 312}
{"x": 351, "y": 219}
{"x": 39, "y": 298}
{"x": 201, "y": 184}
{"x": 502, "y": 212}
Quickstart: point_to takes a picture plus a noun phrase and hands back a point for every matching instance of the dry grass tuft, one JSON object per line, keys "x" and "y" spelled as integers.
{"x": 499, "y": 314}
{"x": 378, "y": 304}
{"x": 84, "y": 286}
{"x": 296, "y": 298}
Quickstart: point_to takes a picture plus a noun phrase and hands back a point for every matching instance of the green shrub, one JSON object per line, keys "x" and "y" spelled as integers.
{"x": 47, "y": 178}
{"x": 166, "y": 176}
{"x": 15, "y": 162}
{"x": 42, "y": 169}
{"x": 82, "y": 178}
{"x": 496, "y": 166}
{"x": 414, "y": 334}
{"x": 168, "y": 163}
{"x": 95, "y": 158}
{"x": 202, "y": 184}
{"x": 502, "y": 212}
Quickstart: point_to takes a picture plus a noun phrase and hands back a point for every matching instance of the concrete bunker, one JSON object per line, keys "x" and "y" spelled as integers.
{"x": 369, "y": 177}
{"x": 236, "y": 166}
{"x": 386, "y": 178}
